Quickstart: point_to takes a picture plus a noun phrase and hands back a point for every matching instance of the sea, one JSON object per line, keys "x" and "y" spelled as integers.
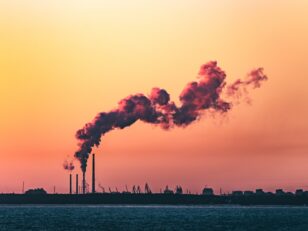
{"x": 124, "y": 217}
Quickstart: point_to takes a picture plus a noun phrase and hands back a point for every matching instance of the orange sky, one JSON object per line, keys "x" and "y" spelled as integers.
{"x": 61, "y": 62}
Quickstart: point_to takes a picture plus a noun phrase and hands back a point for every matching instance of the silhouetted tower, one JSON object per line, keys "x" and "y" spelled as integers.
{"x": 83, "y": 182}
{"x": 77, "y": 186}
{"x": 93, "y": 173}
{"x": 70, "y": 183}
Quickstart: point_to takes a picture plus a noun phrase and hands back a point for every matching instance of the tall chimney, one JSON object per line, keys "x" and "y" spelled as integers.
{"x": 84, "y": 182}
{"x": 70, "y": 183}
{"x": 77, "y": 186}
{"x": 93, "y": 173}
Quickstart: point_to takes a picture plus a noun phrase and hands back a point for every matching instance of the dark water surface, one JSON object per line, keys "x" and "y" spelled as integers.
{"x": 53, "y": 217}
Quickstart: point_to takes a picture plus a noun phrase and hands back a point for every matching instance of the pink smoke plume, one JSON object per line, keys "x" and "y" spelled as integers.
{"x": 68, "y": 165}
{"x": 253, "y": 80}
{"x": 157, "y": 109}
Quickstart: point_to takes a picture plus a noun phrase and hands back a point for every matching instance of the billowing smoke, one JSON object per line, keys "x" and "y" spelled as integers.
{"x": 156, "y": 108}
{"x": 68, "y": 165}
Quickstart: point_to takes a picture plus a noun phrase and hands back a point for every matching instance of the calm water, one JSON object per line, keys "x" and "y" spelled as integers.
{"x": 153, "y": 218}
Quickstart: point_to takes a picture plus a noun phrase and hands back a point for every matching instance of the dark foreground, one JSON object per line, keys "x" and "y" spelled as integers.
{"x": 159, "y": 199}
{"x": 117, "y": 217}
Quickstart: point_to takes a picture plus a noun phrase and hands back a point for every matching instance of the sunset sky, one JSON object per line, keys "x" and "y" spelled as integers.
{"x": 62, "y": 62}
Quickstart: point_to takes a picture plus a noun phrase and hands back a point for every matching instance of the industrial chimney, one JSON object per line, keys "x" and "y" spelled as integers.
{"x": 83, "y": 182}
{"x": 70, "y": 183}
{"x": 93, "y": 173}
{"x": 77, "y": 186}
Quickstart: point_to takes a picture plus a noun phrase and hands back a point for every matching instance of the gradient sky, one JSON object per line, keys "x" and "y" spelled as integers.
{"x": 61, "y": 62}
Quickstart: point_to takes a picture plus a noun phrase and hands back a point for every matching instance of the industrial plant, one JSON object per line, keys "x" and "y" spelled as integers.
{"x": 144, "y": 195}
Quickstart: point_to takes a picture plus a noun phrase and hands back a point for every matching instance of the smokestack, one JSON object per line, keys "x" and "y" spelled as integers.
{"x": 93, "y": 173}
{"x": 77, "y": 186}
{"x": 83, "y": 182}
{"x": 70, "y": 183}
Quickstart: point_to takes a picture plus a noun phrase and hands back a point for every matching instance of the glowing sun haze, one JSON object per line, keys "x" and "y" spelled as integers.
{"x": 62, "y": 62}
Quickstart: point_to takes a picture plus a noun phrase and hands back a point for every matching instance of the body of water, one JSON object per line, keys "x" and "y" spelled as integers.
{"x": 102, "y": 217}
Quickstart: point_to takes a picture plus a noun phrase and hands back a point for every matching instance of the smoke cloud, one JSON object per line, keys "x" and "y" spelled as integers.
{"x": 252, "y": 80}
{"x": 198, "y": 96}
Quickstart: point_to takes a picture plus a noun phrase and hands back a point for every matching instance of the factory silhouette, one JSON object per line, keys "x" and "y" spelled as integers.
{"x": 136, "y": 189}
{"x": 82, "y": 194}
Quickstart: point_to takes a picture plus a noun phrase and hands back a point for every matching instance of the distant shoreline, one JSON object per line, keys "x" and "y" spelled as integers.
{"x": 151, "y": 199}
